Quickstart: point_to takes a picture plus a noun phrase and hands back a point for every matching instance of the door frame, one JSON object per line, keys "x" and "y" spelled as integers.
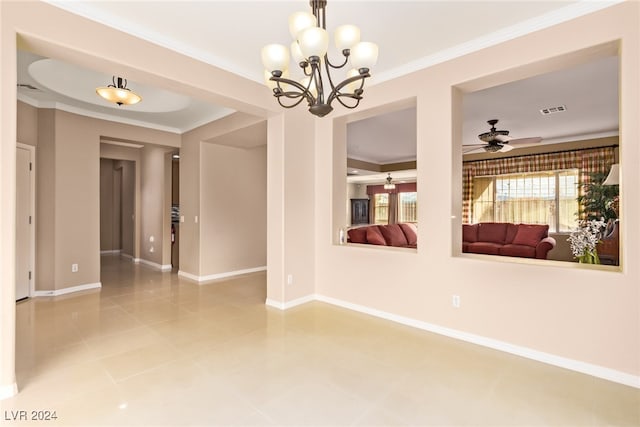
{"x": 32, "y": 208}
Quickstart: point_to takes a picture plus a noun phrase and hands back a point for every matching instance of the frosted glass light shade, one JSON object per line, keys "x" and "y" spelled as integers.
{"x": 351, "y": 87}
{"x": 313, "y": 41}
{"x": 275, "y": 57}
{"x": 300, "y": 21}
{"x": 296, "y": 53}
{"x": 364, "y": 55}
{"x": 118, "y": 95}
{"x": 347, "y": 36}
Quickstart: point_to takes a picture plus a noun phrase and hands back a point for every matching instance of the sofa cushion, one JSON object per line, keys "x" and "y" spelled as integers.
{"x": 470, "y": 233}
{"x": 374, "y": 236}
{"x": 358, "y": 235}
{"x": 393, "y": 235}
{"x": 410, "y": 232}
{"x": 486, "y": 248}
{"x": 493, "y": 232}
{"x": 512, "y": 230}
{"x": 530, "y": 235}
{"x": 523, "y": 251}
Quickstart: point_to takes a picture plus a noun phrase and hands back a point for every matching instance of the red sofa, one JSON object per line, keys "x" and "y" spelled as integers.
{"x": 398, "y": 235}
{"x": 499, "y": 238}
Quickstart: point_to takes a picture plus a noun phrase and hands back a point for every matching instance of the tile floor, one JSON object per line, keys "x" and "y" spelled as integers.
{"x": 151, "y": 349}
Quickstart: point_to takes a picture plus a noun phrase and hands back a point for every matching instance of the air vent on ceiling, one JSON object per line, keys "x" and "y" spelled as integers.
{"x": 27, "y": 86}
{"x": 553, "y": 110}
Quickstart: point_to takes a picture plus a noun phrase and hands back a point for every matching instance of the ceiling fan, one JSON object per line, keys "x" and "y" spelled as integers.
{"x": 497, "y": 141}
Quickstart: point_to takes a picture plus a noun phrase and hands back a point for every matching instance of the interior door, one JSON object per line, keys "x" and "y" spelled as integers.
{"x": 23, "y": 223}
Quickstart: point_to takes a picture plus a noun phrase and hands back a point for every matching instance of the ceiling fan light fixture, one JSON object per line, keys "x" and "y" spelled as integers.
{"x": 118, "y": 92}
{"x": 389, "y": 185}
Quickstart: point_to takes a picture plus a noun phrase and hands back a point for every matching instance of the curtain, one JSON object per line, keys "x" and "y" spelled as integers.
{"x": 592, "y": 160}
{"x": 393, "y": 208}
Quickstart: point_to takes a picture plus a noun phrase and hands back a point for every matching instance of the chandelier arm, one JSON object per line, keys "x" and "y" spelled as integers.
{"x": 335, "y": 93}
{"x": 337, "y": 67}
{"x": 304, "y": 91}
{"x": 319, "y": 85}
{"x": 286, "y": 95}
{"x": 351, "y": 107}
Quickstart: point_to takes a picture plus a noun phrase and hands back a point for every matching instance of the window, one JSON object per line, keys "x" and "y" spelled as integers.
{"x": 381, "y": 208}
{"x": 533, "y": 198}
{"x": 408, "y": 207}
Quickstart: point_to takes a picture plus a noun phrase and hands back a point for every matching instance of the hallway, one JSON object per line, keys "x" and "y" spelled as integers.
{"x": 150, "y": 348}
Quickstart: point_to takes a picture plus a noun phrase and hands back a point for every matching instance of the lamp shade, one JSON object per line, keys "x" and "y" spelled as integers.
{"x": 614, "y": 175}
{"x": 364, "y": 55}
{"x": 118, "y": 93}
{"x": 313, "y": 41}
{"x": 351, "y": 87}
{"x": 296, "y": 53}
{"x": 300, "y": 21}
{"x": 275, "y": 57}
{"x": 347, "y": 36}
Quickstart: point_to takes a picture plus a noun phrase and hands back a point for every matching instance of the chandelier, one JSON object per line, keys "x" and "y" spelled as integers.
{"x": 309, "y": 51}
{"x": 118, "y": 92}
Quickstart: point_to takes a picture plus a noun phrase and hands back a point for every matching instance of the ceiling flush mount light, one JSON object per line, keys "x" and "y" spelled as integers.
{"x": 118, "y": 92}
{"x": 309, "y": 51}
{"x": 389, "y": 185}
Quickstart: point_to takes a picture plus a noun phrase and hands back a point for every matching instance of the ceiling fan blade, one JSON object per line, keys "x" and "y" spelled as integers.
{"x": 478, "y": 149}
{"x": 503, "y": 138}
{"x": 525, "y": 141}
{"x": 506, "y": 148}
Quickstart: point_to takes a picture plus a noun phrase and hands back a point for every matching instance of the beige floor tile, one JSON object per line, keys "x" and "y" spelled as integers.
{"x": 150, "y": 348}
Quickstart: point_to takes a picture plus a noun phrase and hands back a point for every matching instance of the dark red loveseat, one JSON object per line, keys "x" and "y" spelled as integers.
{"x": 398, "y": 235}
{"x": 500, "y": 238}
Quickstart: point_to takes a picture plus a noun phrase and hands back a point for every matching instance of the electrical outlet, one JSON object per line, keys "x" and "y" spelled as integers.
{"x": 74, "y": 268}
{"x": 151, "y": 249}
{"x": 455, "y": 301}
{"x": 290, "y": 279}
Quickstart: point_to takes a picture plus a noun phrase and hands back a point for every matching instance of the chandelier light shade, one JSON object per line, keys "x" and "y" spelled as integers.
{"x": 118, "y": 92}
{"x": 389, "y": 185}
{"x": 309, "y": 52}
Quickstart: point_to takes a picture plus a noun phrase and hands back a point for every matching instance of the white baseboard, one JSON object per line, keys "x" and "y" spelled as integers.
{"x": 289, "y": 304}
{"x": 69, "y": 290}
{"x": 123, "y": 255}
{"x": 7, "y": 391}
{"x": 161, "y": 267}
{"x": 550, "y": 359}
{"x": 111, "y": 252}
{"x": 217, "y": 276}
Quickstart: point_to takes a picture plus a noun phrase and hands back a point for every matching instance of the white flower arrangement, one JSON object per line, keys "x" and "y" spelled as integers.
{"x": 583, "y": 241}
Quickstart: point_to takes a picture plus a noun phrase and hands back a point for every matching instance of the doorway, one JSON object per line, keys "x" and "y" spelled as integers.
{"x": 117, "y": 207}
{"x": 25, "y": 204}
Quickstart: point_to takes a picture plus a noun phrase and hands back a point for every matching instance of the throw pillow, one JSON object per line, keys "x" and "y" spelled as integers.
{"x": 358, "y": 235}
{"x": 410, "y": 232}
{"x": 493, "y": 232}
{"x": 530, "y": 235}
{"x": 393, "y": 235}
{"x": 470, "y": 233}
{"x": 374, "y": 236}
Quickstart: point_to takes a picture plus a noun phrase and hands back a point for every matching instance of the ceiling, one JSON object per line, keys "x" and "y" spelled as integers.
{"x": 230, "y": 34}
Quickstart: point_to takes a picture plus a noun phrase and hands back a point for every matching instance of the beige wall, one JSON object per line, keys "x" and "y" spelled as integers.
{"x": 128, "y": 205}
{"x": 233, "y": 208}
{"x": 27, "y": 127}
{"x": 586, "y": 315}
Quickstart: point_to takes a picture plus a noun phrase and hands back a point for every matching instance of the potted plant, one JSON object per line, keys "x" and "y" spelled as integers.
{"x": 598, "y": 201}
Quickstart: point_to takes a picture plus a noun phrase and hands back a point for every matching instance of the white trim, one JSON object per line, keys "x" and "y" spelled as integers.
{"x": 540, "y": 356}
{"x": 111, "y": 252}
{"x": 69, "y": 290}
{"x": 123, "y": 255}
{"x": 161, "y": 267}
{"x": 7, "y": 391}
{"x": 217, "y": 276}
{"x": 290, "y": 304}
